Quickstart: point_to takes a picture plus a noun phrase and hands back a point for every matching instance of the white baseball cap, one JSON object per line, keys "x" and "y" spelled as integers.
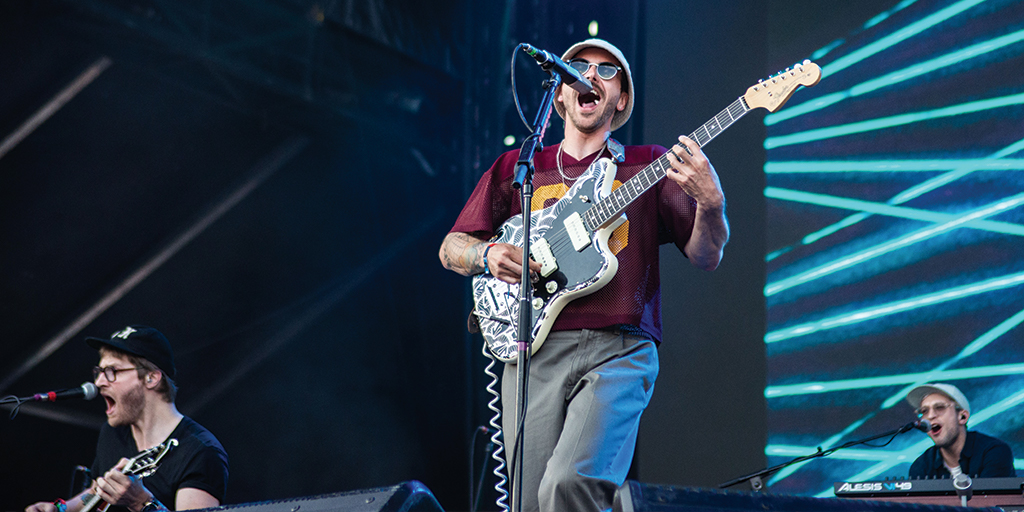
{"x": 918, "y": 393}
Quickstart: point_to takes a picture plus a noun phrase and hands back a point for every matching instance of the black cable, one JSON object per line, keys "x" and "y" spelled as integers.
{"x": 11, "y": 399}
{"x": 515, "y": 93}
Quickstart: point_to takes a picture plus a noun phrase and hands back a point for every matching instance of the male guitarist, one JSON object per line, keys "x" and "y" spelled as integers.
{"x": 595, "y": 373}
{"x": 135, "y": 377}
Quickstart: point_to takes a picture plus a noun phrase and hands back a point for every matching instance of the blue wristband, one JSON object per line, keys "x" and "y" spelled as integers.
{"x": 487, "y": 271}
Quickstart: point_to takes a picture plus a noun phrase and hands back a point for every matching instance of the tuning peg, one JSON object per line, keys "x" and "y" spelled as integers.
{"x": 807, "y": 61}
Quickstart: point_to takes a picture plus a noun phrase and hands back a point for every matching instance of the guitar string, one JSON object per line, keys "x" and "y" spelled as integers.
{"x": 559, "y": 241}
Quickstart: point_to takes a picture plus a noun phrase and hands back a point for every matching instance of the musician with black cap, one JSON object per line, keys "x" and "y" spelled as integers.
{"x": 956, "y": 450}
{"x": 135, "y": 376}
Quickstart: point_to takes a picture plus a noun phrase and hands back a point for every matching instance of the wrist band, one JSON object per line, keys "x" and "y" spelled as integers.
{"x": 486, "y": 270}
{"x": 61, "y": 505}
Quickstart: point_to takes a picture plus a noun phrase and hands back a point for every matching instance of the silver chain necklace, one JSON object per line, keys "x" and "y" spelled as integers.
{"x": 558, "y": 160}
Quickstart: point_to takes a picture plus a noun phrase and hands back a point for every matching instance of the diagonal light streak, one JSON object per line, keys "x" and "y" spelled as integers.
{"x": 893, "y": 121}
{"x": 1006, "y": 228}
{"x": 791, "y": 450}
{"x": 788, "y": 470}
{"x": 891, "y": 308}
{"x": 893, "y": 245}
{"x": 890, "y": 166}
{"x": 813, "y": 388}
{"x": 904, "y": 196}
{"x": 897, "y": 76}
{"x": 900, "y": 35}
{"x": 885, "y": 14}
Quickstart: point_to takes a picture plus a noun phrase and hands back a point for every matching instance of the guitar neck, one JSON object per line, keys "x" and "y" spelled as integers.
{"x": 609, "y": 208}
{"x": 93, "y": 502}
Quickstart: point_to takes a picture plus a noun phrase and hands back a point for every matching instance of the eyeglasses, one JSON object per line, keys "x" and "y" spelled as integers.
{"x": 605, "y": 70}
{"x": 939, "y": 408}
{"x": 109, "y": 372}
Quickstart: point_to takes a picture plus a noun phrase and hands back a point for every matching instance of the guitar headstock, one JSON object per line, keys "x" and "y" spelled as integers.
{"x": 146, "y": 463}
{"x": 776, "y": 90}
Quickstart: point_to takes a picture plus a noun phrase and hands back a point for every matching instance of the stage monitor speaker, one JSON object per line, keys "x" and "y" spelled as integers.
{"x": 409, "y": 496}
{"x": 637, "y": 497}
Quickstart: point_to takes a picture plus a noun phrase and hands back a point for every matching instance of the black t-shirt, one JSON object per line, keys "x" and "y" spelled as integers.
{"x": 982, "y": 456}
{"x": 199, "y": 461}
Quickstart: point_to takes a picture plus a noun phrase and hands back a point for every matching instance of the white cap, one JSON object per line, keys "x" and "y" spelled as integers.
{"x": 620, "y": 117}
{"x": 918, "y": 393}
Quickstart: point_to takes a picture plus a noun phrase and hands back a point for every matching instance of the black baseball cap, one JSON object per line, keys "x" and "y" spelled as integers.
{"x": 142, "y": 341}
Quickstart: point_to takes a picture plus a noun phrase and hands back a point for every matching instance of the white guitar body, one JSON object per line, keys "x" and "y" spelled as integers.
{"x": 573, "y": 272}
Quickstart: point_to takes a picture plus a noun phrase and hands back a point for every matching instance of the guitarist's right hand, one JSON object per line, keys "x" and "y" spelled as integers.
{"x": 505, "y": 261}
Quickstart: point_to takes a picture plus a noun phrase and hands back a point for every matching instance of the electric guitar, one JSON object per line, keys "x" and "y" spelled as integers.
{"x": 141, "y": 465}
{"x": 570, "y": 238}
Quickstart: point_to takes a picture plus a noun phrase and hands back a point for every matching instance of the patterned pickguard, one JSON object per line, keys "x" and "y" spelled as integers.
{"x": 579, "y": 272}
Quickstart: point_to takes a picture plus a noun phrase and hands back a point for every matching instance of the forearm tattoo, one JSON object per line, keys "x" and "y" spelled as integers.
{"x": 461, "y": 253}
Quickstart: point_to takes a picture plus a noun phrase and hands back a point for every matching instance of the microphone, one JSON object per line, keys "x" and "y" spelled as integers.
{"x": 87, "y": 391}
{"x": 549, "y": 62}
{"x": 922, "y": 424}
{"x": 962, "y": 484}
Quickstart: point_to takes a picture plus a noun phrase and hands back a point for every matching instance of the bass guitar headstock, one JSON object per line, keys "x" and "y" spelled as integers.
{"x": 776, "y": 90}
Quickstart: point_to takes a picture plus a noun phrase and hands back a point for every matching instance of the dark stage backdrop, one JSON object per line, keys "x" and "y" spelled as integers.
{"x": 894, "y": 255}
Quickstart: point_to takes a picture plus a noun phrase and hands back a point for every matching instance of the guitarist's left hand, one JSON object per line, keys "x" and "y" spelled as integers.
{"x": 695, "y": 174}
{"x": 692, "y": 171}
{"x": 117, "y": 488}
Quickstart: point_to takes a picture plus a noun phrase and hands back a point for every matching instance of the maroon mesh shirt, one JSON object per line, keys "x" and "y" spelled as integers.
{"x": 661, "y": 215}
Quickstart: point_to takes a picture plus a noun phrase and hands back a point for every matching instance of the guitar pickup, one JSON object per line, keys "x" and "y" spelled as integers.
{"x": 541, "y": 252}
{"x": 577, "y": 231}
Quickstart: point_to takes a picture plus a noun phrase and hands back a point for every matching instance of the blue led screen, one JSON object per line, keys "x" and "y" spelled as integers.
{"x": 895, "y": 243}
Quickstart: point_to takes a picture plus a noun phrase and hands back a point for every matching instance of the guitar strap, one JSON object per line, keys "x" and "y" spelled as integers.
{"x": 617, "y": 150}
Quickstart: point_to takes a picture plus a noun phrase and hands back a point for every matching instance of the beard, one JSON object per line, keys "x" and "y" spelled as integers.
{"x": 591, "y": 124}
{"x": 947, "y": 438}
{"x": 130, "y": 407}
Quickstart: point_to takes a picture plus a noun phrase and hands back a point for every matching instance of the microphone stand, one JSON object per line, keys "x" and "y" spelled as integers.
{"x": 524, "y": 182}
{"x": 756, "y": 479}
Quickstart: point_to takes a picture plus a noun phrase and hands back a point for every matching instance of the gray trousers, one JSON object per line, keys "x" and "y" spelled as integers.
{"x": 587, "y": 391}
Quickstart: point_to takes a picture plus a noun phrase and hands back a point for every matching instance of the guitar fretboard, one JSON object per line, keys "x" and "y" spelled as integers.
{"x": 610, "y": 207}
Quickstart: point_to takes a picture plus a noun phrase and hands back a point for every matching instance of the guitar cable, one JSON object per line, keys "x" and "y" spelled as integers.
{"x": 496, "y": 438}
